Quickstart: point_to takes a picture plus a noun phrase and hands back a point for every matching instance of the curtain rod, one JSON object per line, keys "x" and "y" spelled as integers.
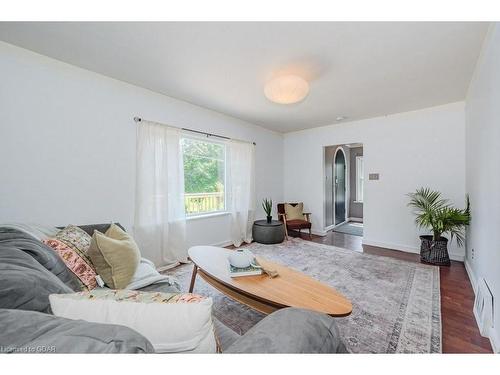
{"x": 139, "y": 119}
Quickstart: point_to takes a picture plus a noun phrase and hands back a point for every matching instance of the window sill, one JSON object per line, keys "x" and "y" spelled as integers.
{"x": 358, "y": 202}
{"x": 208, "y": 215}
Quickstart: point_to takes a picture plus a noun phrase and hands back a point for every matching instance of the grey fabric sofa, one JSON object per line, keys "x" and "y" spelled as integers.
{"x": 30, "y": 271}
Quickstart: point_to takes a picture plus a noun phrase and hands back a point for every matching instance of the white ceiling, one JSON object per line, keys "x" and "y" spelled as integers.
{"x": 358, "y": 70}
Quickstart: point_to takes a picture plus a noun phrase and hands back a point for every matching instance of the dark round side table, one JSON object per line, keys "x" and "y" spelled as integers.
{"x": 268, "y": 233}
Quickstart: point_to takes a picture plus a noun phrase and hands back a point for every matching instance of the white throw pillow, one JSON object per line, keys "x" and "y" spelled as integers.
{"x": 173, "y": 323}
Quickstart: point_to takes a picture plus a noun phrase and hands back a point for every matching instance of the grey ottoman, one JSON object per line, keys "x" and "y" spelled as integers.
{"x": 268, "y": 233}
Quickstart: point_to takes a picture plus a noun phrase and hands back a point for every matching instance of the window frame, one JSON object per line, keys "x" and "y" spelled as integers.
{"x": 360, "y": 179}
{"x": 205, "y": 140}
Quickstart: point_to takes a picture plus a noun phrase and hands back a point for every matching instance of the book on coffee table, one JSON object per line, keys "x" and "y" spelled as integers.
{"x": 247, "y": 271}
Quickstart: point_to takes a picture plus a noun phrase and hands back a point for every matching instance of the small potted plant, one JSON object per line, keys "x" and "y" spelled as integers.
{"x": 267, "y": 205}
{"x": 434, "y": 213}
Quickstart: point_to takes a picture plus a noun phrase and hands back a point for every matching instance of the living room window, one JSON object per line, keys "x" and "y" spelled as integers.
{"x": 204, "y": 176}
{"x": 359, "y": 179}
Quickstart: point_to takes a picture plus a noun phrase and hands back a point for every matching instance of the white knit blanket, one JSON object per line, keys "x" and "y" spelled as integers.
{"x": 146, "y": 274}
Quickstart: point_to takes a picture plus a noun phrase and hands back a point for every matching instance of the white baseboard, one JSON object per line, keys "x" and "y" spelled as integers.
{"x": 457, "y": 257}
{"x": 321, "y": 233}
{"x": 407, "y": 249}
{"x": 328, "y": 228}
{"x": 494, "y": 341}
{"x": 491, "y": 335}
{"x": 472, "y": 277}
{"x": 356, "y": 219}
{"x": 391, "y": 246}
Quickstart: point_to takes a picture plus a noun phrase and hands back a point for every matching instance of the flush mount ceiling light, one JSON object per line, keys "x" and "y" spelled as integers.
{"x": 287, "y": 89}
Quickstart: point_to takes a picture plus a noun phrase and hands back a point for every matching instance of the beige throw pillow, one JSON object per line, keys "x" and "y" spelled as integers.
{"x": 294, "y": 213}
{"x": 115, "y": 256}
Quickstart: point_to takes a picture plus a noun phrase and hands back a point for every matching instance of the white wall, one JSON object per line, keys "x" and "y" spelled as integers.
{"x": 483, "y": 172}
{"x": 408, "y": 150}
{"x": 67, "y": 144}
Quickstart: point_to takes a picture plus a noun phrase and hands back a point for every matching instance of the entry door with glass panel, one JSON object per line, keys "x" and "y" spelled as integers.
{"x": 339, "y": 180}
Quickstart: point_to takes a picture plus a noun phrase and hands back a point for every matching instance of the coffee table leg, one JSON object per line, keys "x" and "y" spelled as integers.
{"x": 193, "y": 278}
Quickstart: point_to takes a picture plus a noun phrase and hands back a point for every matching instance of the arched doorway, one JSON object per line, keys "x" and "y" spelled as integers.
{"x": 339, "y": 186}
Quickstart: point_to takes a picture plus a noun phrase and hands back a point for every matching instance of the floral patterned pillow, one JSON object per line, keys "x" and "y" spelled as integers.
{"x": 77, "y": 264}
{"x": 78, "y": 240}
{"x": 123, "y": 295}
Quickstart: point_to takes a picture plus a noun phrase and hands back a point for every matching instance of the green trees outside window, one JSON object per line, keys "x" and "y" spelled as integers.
{"x": 204, "y": 176}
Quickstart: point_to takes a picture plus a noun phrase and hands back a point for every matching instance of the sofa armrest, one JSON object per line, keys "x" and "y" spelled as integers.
{"x": 35, "y": 332}
{"x": 291, "y": 330}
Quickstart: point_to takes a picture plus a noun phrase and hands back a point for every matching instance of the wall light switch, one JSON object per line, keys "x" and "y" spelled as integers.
{"x": 373, "y": 176}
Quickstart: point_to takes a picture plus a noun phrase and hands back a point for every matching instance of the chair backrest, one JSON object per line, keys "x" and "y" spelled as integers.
{"x": 281, "y": 207}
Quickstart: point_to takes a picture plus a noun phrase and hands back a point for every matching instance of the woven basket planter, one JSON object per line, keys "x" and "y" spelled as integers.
{"x": 434, "y": 252}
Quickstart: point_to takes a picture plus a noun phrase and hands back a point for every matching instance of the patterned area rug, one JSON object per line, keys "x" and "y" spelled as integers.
{"x": 396, "y": 304}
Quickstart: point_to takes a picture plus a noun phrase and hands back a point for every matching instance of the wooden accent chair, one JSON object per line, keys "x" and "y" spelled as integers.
{"x": 294, "y": 224}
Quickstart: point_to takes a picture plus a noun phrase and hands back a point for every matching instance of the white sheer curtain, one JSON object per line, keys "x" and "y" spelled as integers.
{"x": 241, "y": 190}
{"x": 160, "y": 222}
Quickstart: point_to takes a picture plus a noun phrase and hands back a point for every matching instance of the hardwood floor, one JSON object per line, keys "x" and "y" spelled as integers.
{"x": 460, "y": 333}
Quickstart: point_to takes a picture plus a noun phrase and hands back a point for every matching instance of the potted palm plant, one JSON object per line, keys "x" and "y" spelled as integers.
{"x": 437, "y": 214}
{"x": 267, "y": 205}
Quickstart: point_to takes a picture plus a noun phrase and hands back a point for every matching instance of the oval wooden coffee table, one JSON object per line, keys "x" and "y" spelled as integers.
{"x": 262, "y": 293}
